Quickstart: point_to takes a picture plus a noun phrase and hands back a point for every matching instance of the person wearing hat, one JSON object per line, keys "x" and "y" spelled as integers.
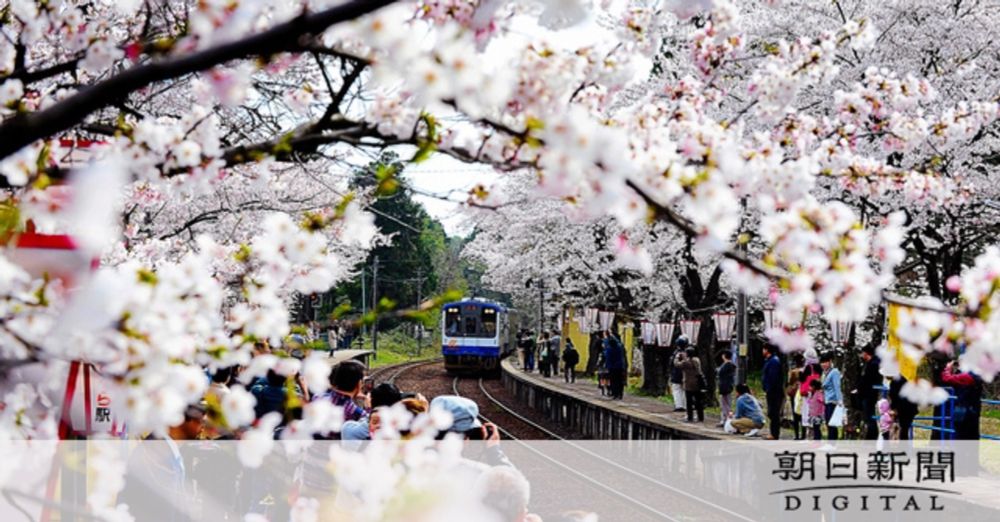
{"x": 690, "y": 365}
{"x": 677, "y": 376}
{"x": 614, "y": 361}
{"x": 465, "y": 421}
{"x": 811, "y": 356}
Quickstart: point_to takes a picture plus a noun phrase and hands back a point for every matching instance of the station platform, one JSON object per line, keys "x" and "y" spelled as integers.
{"x": 581, "y": 405}
{"x": 647, "y": 409}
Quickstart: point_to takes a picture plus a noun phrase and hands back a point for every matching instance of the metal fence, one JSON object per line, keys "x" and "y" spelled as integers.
{"x": 944, "y": 422}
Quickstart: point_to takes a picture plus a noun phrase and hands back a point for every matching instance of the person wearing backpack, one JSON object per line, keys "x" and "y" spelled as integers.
{"x": 570, "y": 359}
{"x": 554, "y": 340}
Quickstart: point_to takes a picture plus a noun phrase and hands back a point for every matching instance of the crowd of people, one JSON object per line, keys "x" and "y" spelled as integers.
{"x": 807, "y": 398}
{"x": 803, "y": 392}
{"x": 159, "y": 478}
{"x": 813, "y": 393}
{"x": 543, "y": 352}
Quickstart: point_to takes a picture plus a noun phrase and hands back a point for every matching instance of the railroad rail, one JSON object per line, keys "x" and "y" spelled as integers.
{"x": 616, "y": 492}
{"x": 395, "y": 370}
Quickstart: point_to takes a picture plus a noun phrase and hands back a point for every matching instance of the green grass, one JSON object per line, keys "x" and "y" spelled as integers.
{"x": 397, "y": 346}
{"x": 991, "y": 412}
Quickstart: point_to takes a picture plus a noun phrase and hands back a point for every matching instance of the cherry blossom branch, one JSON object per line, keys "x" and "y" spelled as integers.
{"x": 912, "y": 303}
{"x": 669, "y": 215}
{"x": 338, "y": 98}
{"x": 24, "y": 129}
{"x": 213, "y": 215}
{"x": 28, "y": 77}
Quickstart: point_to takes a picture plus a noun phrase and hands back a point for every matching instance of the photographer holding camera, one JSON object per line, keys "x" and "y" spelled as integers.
{"x": 465, "y": 420}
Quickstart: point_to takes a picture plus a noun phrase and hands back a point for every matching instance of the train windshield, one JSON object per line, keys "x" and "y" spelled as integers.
{"x": 489, "y": 322}
{"x": 452, "y": 321}
{"x": 470, "y": 321}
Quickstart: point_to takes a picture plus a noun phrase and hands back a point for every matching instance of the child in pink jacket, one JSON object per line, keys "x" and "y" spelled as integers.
{"x": 886, "y": 418}
{"x": 816, "y": 407}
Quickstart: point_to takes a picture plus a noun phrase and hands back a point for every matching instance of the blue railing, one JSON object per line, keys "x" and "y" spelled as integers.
{"x": 946, "y": 420}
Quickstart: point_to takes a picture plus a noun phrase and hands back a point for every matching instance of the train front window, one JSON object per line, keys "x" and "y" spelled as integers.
{"x": 489, "y": 320}
{"x": 470, "y": 326}
{"x": 452, "y": 322}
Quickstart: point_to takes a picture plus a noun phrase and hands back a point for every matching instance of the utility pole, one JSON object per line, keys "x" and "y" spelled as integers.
{"x": 364, "y": 301}
{"x": 743, "y": 333}
{"x": 375, "y": 307}
{"x": 541, "y": 304}
{"x": 420, "y": 325}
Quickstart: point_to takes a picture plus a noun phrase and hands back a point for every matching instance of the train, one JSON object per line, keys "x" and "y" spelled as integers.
{"x": 475, "y": 335}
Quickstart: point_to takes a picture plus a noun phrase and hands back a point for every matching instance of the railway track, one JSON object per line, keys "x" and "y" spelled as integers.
{"x": 389, "y": 374}
{"x": 580, "y": 463}
{"x": 585, "y": 455}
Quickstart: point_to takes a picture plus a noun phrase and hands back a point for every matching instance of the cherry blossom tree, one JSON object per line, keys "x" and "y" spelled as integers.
{"x": 200, "y": 151}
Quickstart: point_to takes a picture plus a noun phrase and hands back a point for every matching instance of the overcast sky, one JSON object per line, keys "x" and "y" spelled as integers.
{"x": 449, "y": 178}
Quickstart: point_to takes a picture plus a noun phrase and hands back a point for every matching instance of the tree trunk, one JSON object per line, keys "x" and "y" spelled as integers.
{"x": 852, "y": 368}
{"x": 593, "y": 353}
{"x": 706, "y": 353}
{"x": 655, "y": 369}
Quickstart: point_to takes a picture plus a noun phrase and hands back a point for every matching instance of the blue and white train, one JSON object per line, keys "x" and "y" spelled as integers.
{"x": 475, "y": 335}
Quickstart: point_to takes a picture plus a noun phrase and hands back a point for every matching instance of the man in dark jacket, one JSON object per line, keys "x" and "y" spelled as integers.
{"x": 270, "y": 394}
{"x": 968, "y": 406}
{"x": 726, "y": 377}
{"x": 869, "y": 395}
{"x": 905, "y": 410}
{"x": 774, "y": 390}
{"x": 968, "y": 401}
{"x": 528, "y": 345}
{"x": 614, "y": 356}
{"x": 570, "y": 359}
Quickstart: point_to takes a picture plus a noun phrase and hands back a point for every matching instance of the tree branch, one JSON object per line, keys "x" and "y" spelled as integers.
{"x": 669, "y": 215}
{"x": 28, "y": 77}
{"x": 24, "y": 129}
